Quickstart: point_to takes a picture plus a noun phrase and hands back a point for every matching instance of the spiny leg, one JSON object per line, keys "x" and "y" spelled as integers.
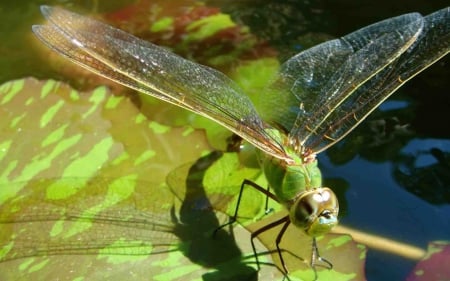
{"x": 286, "y": 222}
{"x": 278, "y": 241}
{"x": 315, "y": 256}
{"x": 234, "y": 217}
{"x": 267, "y": 210}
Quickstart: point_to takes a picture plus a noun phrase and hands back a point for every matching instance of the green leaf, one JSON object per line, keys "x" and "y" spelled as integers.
{"x": 208, "y": 26}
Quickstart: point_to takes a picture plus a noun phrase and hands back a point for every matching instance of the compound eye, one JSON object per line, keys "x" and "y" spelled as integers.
{"x": 315, "y": 211}
{"x": 305, "y": 208}
{"x": 326, "y": 214}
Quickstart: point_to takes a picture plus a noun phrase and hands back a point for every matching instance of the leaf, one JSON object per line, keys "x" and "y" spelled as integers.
{"x": 84, "y": 179}
{"x": 296, "y": 250}
{"x": 218, "y": 178}
{"x": 431, "y": 268}
{"x": 50, "y": 130}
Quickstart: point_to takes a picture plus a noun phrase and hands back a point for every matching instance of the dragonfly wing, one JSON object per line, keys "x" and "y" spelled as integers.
{"x": 94, "y": 216}
{"x": 432, "y": 44}
{"x": 155, "y": 71}
{"x": 313, "y": 84}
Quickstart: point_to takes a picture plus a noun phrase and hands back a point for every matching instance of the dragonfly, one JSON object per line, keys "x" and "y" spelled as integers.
{"x": 317, "y": 97}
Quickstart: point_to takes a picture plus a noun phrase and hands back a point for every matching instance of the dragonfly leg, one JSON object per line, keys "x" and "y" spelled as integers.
{"x": 315, "y": 256}
{"x": 286, "y": 222}
{"x": 267, "y": 210}
{"x": 257, "y": 187}
{"x": 278, "y": 241}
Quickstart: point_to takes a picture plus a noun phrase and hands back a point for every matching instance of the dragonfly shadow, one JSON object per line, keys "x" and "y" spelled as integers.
{"x": 196, "y": 222}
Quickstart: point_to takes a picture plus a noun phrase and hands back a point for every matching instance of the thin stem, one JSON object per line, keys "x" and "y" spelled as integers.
{"x": 383, "y": 244}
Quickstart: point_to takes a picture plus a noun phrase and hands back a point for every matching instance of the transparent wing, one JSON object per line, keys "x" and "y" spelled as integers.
{"x": 86, "y": 216}
{"x": 155, "y": 71}
{"x": 432, "y": 44}
{"x": 311, "y": 97}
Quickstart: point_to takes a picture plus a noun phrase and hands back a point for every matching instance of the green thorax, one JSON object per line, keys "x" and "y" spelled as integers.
{"x": 288, "y": 180}
{"x": 297, "y": 185}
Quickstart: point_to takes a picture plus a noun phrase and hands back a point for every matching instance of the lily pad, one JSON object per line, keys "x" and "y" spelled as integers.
{"x": 51, "y": 130}
{"x": 432, "y": 266}
{"x": 219, "y": 179}
{"x": 83, "y": 194}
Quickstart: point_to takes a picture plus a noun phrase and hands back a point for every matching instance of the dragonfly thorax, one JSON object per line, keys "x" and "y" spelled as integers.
{"x": 298, "y": 186}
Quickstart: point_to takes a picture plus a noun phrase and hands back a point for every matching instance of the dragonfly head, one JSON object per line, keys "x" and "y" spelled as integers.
{"x": 315, "y": 211}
